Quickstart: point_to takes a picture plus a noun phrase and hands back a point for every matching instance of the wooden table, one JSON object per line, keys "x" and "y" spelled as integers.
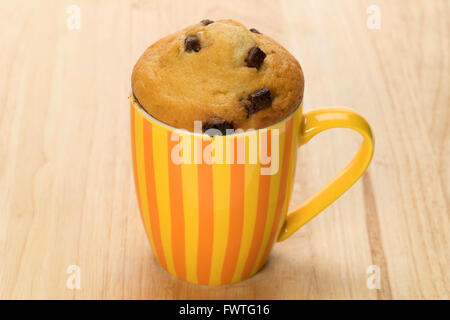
{"x": 66, "y": 189}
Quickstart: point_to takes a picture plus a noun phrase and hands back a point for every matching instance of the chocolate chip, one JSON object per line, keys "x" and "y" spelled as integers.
{"x": 259, "y": 100}
{"x": 255, "y": 57}
{"x": 206, "y": 22}
{"x": 192, "y": 43}
{"x": 219, "y": 124}
{"x": 254, "y": 31}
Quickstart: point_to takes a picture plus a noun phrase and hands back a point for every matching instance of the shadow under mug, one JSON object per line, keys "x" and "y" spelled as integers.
{"x": 214, "y": 220}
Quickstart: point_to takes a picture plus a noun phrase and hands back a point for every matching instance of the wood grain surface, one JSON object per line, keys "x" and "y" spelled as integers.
{"x": 66, "y": 189}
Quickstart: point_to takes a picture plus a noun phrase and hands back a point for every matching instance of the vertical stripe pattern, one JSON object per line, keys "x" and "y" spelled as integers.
{"x": 176, "y": 210}
{"x": 151, "y": 192}
{"x": 236, "y": 214}
{"x": 261, "y": 213}
{"x": 206, "y": 218}
{"x": 189, "y": 181}
{"x": 212, "y": 221}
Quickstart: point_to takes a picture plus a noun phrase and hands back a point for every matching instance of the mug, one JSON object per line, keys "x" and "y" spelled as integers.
{"x": 213, "y": 207}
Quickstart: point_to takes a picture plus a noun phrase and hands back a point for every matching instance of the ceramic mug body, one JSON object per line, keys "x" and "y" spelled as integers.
{"x": 213, "y": 207}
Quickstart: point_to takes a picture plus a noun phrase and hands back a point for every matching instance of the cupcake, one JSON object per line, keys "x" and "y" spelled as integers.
{"x": 220, "y": 73}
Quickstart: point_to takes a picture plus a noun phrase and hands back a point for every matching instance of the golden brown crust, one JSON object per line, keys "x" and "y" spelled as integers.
{"x": 179, "y": 87}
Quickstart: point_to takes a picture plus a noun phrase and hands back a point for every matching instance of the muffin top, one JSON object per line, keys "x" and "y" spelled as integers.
{"x": 219, "y": 73}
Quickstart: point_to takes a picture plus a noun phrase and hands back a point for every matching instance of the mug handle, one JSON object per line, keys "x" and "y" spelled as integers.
{"x": 315, "y": 122}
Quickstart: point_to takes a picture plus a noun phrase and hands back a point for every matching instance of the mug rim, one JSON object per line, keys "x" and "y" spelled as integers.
{"x": 138, "y": 106}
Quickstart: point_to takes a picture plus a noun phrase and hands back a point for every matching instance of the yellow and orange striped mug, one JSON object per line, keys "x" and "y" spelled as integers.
{"x": 213, "y": 207}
